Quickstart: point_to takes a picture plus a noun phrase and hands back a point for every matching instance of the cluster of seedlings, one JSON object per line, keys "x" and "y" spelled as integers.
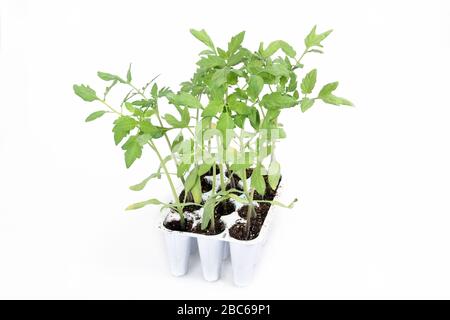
{"x": 216, "y": 135}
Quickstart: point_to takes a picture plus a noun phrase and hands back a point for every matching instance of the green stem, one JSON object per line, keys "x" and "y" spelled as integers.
{"x": 110, "y": 108}
{"x": 250, "y": 212}
{"x": 160, "y": 123}
{"x": 169, "y": 179}
{"x": 213, "y": 192}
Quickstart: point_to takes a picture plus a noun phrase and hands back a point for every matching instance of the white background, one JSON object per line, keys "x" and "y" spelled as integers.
{"x": 373, "y": 181}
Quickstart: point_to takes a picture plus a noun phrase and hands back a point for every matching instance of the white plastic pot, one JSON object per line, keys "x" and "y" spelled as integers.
{"x": 213, "y": 250}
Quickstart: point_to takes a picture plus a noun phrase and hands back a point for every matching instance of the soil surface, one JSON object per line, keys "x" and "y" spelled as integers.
{"x": 239, "y": 229}
{"x": 176, "y": 225}
{"x": 225, "y": 208}
{"x": 219, "y": 228}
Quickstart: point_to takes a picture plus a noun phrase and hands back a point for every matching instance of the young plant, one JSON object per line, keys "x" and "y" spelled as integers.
{"x": 245, "y": 93}
{"x": 138, "y": 122}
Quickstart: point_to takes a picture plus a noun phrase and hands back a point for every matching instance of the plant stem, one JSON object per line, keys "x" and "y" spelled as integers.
{"x": 110, "y": 108}
{"x": 160, "y": 123}
{"x": 169, "y": 179}
{"x": 213, "y": 192}
{"x": 250, "y": 211}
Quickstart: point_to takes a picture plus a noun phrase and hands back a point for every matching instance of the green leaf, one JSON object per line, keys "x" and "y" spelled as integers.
{"x": 328, "y": 89}
{"x": 191, "y": 180}
{"x": 274, "y": 174}
{"x": 182, "y": 169}
{"x": 141, "y": 185}
{"x": 178, "y": 139}
{"x": 219, "y": 77}
{"x": 211, "y": 62}
{"x": 239, "y": 107}
{"x": 257, "y": 180}
{"x": 314, "y": 40}
{"x": 326, "y": 95}
{"x": 143, "y": 204}
{"x": 154, "y": 91}
{"x": 309, "y": 82}
{"x": 235, "y": 43}
{"x": 276, "y": 100}
{"x": 306, "y": 103}
{"x": 187, "y": 99}
{"x": 203, "y": 168}
{"x": 85, "y": 92}
{"x": 133, "y": 151}
{"x": 255, "y": 85}
{"x": 254, "y": 118}
{"x": 122, "y": 127}
{"x": 148, "y": 128}
{"x": 277, "y": 70}
{"x": 185, "y": 118}
{"x": 109, "y": 77}
{"x": 95, "y": 115}
{"x": 129, "y": 78}
{"x": 225, "y": 122}
{"x": 213, "y": 108}
{"x": 203, "y": 37}
{"x": 208, "y": 213}
{"x": 276, "y": 45}
{"x": 196, "y": 191}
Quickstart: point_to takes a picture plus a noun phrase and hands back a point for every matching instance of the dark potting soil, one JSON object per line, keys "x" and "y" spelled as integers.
{"x": 190, "y": 208}
{"x": 224, "y": 208}
{"x": 175, "y": 225}
{"x": 210, "y": 172}
{"x": 219, "y": 228}
{"x": 239, "y": 229}
{"x": 206, "y": 185}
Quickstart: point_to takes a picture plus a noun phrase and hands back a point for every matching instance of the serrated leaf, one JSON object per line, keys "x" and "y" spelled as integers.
{"x": 274, "y": 174}
{"x": 255, "y": 85}
{"x": 122, "y": 127}
{"x": 187, "y": 99}
{"x": 85, "y": 92}
{"x": 213, "y": 108}
{"x": 338, "y": 101}
{"x": 235, "y": 43}
{"x": 306, "y": 103}
{"x": 276, "y": 45}
{"x": 178, "y": 139}
{"x": 328, "y": 89}
{"x": 133, "y": 151}
{"x": 309, "y": 82}
{"x": 211, "y": 62}
{"x": 109, "y": 77}
{"x": 219, "y": 77}
{"x": 239, "y": 107}
{"x": 154, "y": 131}
{"x": 314, "y": 40}
{"x": 95, "y": 115}
{"x": 174, "y": 122}
{"x": 143, "y": 204}
{"x": 203, "y": 37}
{"x": 277, "y": 100}
{"x": 277, "y": 70}
{"x": 141, "y": 185}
